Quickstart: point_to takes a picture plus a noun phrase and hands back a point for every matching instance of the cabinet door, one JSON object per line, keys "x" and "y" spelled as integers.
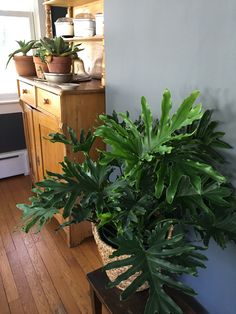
{"x": 30, "y": 140}
{"x": 49, "y": 154}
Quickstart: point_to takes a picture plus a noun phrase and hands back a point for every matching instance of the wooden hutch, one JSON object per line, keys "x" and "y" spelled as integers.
{"x": 49, "y": 109}
{"x": 94, "y": 46}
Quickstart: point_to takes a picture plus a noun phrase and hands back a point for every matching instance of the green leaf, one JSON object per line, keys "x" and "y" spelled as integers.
{"x": 35, "y": 216}
{"x": 147, "y": 119}
{"x": 207, "y": 169}
{"x": 227, "y": 224}
{"x": 70, "y": 204}
{"x": 186, "y": 114}
{"x": 196, "y": 183}
{"x": 163, "y": 129}
{"x": 175, "y": 176}
{"x": 160, "y": 182}
{"x": 155, "y": 265}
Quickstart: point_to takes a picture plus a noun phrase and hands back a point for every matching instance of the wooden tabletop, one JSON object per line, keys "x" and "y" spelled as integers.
{"x": 136, "y": 304}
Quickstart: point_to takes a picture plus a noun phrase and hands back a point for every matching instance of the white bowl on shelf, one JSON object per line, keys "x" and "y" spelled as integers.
{"x": 68, "y": 86}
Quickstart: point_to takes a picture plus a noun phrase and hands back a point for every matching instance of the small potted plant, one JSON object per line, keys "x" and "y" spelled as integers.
{"x": 24, "y": 63}
{"x": 156, "y": 197}
{"x": 58, "y": 54}
{"x": 41, "y": 66}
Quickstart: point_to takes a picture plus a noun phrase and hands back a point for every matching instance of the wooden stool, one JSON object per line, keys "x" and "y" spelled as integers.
{"x": 110, "y": 298}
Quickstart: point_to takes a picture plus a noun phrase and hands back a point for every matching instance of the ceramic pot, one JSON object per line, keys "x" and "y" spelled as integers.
{"x": 59, "y": 64}
{"x": 105, "y": 250}
{"x": 24, "y": 65}
{"x": 40, "y": 67}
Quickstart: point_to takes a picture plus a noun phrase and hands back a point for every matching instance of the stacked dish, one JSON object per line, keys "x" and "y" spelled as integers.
{"x": 58, "y": 78}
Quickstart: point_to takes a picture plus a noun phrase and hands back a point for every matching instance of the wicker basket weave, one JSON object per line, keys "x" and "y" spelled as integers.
{"x": 105, "y": 251}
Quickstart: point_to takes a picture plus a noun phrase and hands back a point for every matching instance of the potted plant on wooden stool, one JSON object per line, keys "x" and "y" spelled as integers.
{"x": 159, "y": 182}
{"x": 24, "y": 63}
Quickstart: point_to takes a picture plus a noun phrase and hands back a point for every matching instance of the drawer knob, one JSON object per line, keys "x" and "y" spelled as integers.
{"x": 24, "y": 91}
{"x": 45, "y": 101}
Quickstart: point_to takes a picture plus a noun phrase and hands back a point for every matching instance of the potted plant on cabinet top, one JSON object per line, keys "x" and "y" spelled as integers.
{"x": 159, "y": 182}
{"x": 41, "y": 66}
{"x": 58, "y": 54}
{"x": 24, "y": 63}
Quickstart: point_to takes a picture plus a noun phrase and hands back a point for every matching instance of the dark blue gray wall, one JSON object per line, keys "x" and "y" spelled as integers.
{"x": 181, "y": 45}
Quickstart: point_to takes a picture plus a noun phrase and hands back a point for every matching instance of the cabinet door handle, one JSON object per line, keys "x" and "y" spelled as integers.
{"x": 45, "y": 101}
{"x": 24, "y": 91}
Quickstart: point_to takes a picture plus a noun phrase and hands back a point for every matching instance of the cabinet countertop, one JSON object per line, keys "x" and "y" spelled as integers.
{"x": 93, "y": 86}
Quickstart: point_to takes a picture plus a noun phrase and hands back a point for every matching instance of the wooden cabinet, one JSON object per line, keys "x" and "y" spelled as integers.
{"x": 47, "y": 109}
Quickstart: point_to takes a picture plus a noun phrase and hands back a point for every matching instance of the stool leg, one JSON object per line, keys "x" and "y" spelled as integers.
{"x": 96, "y": 303}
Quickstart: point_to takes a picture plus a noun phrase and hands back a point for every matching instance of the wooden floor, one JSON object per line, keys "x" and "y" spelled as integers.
{"x": 39, "y": 273}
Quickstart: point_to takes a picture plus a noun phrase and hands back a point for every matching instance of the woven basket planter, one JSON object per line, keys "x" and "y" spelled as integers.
{"x": 105, "y": 251}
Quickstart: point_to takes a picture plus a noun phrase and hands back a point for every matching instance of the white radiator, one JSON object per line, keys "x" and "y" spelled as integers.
{"x": 14, "y": 163}
{"x": 13, "y": 155}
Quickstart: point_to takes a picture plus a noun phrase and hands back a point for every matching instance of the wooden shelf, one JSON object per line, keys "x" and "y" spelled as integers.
{"x": 68, "y": 3}
{"x": 84, "y": 39}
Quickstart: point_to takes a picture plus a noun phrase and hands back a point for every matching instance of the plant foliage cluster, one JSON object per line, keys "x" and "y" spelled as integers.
{"x": 45, "y": 48}
{"x": 157, "y": 176}
{"x": 57, "y": 47}
{"x": 24, "y": 48}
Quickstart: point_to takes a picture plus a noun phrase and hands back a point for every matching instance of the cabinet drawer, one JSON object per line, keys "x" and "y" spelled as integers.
{"x": 27, "y": 93}
{"x": 49, "y": 102}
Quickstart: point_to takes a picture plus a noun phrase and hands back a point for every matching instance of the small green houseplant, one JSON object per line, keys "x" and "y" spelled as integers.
{"x": 157, "y": 196}
{"x": 41, "y": 66}
{"x": 58, "y": 54}
{"x": 24, "y": 63}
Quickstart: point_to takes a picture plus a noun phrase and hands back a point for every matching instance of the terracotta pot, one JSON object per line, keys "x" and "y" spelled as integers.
{"x": 60, "y": 64}
{"x": 105, "y": 251}
{"x": 24, "y": 65}
{"x": 40, "y": 67}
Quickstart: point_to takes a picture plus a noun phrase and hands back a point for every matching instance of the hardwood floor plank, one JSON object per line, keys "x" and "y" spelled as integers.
{"x": 87, "y": 256}
{"x": 3, "y": 299}
{"x": 7, "y": 278}
{"x": 73, "y": 275}
{"x": 31, "y": 275}
{"x": 77, "y": 273}
{"x": 4, "y": 230}
{"x": 16, "y": 307}
{"x": 11, "y": 191}
{"x": 5, "y": 233}
{"x": 23, "y": 288}
{"x": 90, "y": 251}
{"x": 50, "y": 291}
{"x": 58, "y": 278}
{"x": 42, "y": 273}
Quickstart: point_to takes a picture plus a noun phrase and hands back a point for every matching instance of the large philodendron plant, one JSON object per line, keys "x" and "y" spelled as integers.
{"x": 156, "y": 194}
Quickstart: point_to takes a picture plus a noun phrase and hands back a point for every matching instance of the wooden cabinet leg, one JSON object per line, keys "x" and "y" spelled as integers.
{"x": 96, "y": 303}
{"x": 79, "y": 232}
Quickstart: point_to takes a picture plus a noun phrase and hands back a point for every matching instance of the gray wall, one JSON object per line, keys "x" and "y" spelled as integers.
{"x": 181, "y": 45}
